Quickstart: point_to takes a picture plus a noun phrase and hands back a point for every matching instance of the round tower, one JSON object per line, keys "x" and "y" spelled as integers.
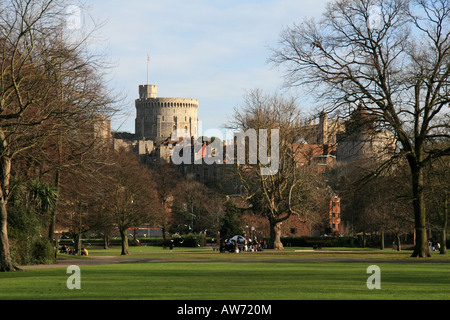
{"x": 158, "y": 118}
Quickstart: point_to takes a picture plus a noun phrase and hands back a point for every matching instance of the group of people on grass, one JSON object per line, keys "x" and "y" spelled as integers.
{"x": 65, "y": 249}
{"x": 247, "y": 246}
{"x": 434, "y": 246}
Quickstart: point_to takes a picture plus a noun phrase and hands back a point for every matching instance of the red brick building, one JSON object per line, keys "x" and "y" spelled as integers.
{"x": 335, "y": 214}
{"x": 321, "y": 156}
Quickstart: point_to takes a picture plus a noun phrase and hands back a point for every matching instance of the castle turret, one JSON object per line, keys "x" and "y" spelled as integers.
{"x": 147, "y": 91}
{"x": 323, "y": 127}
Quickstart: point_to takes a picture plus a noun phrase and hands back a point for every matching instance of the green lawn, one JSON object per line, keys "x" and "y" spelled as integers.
{"x": 191, "y": 274}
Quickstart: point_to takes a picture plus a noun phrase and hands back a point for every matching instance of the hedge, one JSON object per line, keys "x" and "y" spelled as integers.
{"x": 318, "y": 241}
{"x": 193, "y": 240}
{"x": 190, "y": 240}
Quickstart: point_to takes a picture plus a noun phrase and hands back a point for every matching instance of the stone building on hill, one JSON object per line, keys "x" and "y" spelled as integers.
{"x": 351, "y": 140}
{"x": 158, "y": 121}
{"x": 362, "y": 141}
{"x": 323, "y": 131}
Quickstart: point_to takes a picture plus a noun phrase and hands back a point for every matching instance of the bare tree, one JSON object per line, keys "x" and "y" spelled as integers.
{"x": 196, "y": 208}
{"x": 388, "y": 204}
{"x": 289, "y": 190}
{"x": 130, "y": 195}
{"x": 392, "y": 57}
{"x": 169, "y": 178}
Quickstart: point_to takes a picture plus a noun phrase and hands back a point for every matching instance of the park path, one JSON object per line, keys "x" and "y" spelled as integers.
{"x": 102, "y": 259}
{"x": 91, "y": 260}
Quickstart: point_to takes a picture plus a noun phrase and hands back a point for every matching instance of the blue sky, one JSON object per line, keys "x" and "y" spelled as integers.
{"x": 213, "y": 51}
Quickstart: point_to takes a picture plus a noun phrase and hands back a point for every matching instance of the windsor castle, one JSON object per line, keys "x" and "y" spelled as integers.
{"x": 326, "y": 141}
{"x": 160, "y": 121}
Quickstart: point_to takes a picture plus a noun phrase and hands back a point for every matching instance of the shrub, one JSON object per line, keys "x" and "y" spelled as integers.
{"x": 190, "y": 240}
{"x": 25, "y": 227}
{"x": 43, "y": 252}
{"x": 20, "y": 251}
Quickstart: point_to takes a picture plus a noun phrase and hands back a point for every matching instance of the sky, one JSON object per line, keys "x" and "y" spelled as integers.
{"x": 210, "y": 50}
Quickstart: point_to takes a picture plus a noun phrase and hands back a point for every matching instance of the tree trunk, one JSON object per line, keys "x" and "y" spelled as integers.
{"x": 275, "y": 236}
{"x": 51, "y": 228}
{"x": 364, "y": 239}
{"x": 125, "y": 248}
{"x": 421, "y": 249}
{"x": 77, "y": 243}
{"x": 443, "y": 249}
{"x": 382, "y": 241}
{"x": 105, "y": 242}
{"x": 399, "y": 246}
{"x": 5, "y": 253}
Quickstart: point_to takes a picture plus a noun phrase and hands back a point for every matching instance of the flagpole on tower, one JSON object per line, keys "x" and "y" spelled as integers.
{"x": 148, "y": 59}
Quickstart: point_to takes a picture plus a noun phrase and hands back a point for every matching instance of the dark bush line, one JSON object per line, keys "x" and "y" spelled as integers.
{"x": 178, "y": 241}
{"x": 350, "y": 242}
{"x": 197, "y": 240}
{"x": 320, "y": 241}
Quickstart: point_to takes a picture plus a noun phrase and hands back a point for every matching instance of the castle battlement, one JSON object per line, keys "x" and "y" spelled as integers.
{"x": 170, "y": 102}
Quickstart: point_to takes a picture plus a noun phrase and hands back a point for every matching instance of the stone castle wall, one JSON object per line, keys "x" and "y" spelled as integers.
{"x": 157, "y": 118}
{"x": 363, "y": 146}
